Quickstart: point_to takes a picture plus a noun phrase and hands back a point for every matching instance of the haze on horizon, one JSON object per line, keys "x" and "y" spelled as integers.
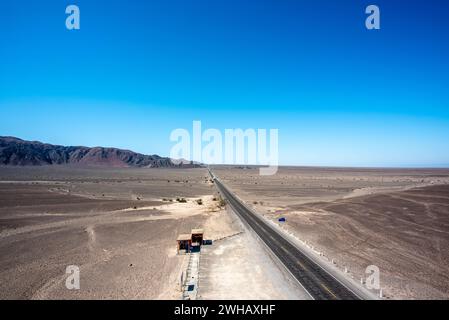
{"x": 339, "y": 94}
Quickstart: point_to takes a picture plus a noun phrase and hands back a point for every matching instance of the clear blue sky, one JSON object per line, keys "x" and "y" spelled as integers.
{"x": 338, "y": 93}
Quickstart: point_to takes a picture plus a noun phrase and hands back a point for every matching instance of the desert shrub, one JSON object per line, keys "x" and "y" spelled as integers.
{"x": 222, "y": 203}
{"x": 199, "y": 201}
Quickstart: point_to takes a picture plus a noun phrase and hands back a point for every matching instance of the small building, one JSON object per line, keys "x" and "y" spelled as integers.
{"x": 197, "y": 236}
{"x": 184, "y": 242}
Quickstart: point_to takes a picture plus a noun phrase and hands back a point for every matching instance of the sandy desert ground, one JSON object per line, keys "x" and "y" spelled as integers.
{"x": 396, "y": 219}
{"x": 119, "y": 227}
{"x": 238, "y": 266}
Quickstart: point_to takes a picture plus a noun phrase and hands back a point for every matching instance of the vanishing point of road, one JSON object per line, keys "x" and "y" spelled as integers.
{"x": 318, "y": 282}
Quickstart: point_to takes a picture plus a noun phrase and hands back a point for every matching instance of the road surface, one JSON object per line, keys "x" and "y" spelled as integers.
{"x": 317, "y": 281}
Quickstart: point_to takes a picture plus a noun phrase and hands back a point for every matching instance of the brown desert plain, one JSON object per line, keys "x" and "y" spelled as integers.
{"x": 395, "y": 219}
{"x": 119, "y": 225}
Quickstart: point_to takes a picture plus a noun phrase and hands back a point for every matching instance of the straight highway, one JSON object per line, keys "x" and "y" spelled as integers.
{"x": 317, "y": 281}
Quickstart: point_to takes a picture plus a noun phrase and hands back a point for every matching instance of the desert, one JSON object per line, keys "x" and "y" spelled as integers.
{"x": 396, "y": 219}
{"x": 119, "y": 226}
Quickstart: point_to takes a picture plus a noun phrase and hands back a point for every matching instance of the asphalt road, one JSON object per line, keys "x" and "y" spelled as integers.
{"x": 319, "y": 283}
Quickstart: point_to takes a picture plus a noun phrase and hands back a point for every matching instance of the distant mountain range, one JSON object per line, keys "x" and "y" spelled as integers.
{"x": 18, "y": 152}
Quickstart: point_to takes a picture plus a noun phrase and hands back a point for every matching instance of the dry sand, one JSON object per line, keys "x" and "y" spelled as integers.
{"x": 397, "y": 219}
{"x": 113, "y": 224}
{"x": 119, "y": 227}
{"x": 238, "y": 265}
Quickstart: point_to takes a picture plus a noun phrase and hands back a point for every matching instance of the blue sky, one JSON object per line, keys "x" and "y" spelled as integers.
{"x": 136, "y": 70}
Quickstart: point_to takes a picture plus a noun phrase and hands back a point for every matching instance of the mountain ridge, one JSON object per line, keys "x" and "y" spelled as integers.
{"x": 18, "y": 152}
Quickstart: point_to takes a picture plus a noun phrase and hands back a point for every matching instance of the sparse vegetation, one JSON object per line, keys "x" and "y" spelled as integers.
{"x": 199, "y": 201}
{"x": 157, "y": 196}
{"x": 181, "y": 200}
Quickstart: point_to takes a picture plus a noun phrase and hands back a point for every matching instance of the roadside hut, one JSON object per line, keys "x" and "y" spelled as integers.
{"x": 184, "y": 242}
{"x": 197, "y": 236}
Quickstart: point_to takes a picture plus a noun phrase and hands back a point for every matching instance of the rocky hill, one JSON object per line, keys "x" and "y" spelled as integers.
{"x": 18, "y": 152}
